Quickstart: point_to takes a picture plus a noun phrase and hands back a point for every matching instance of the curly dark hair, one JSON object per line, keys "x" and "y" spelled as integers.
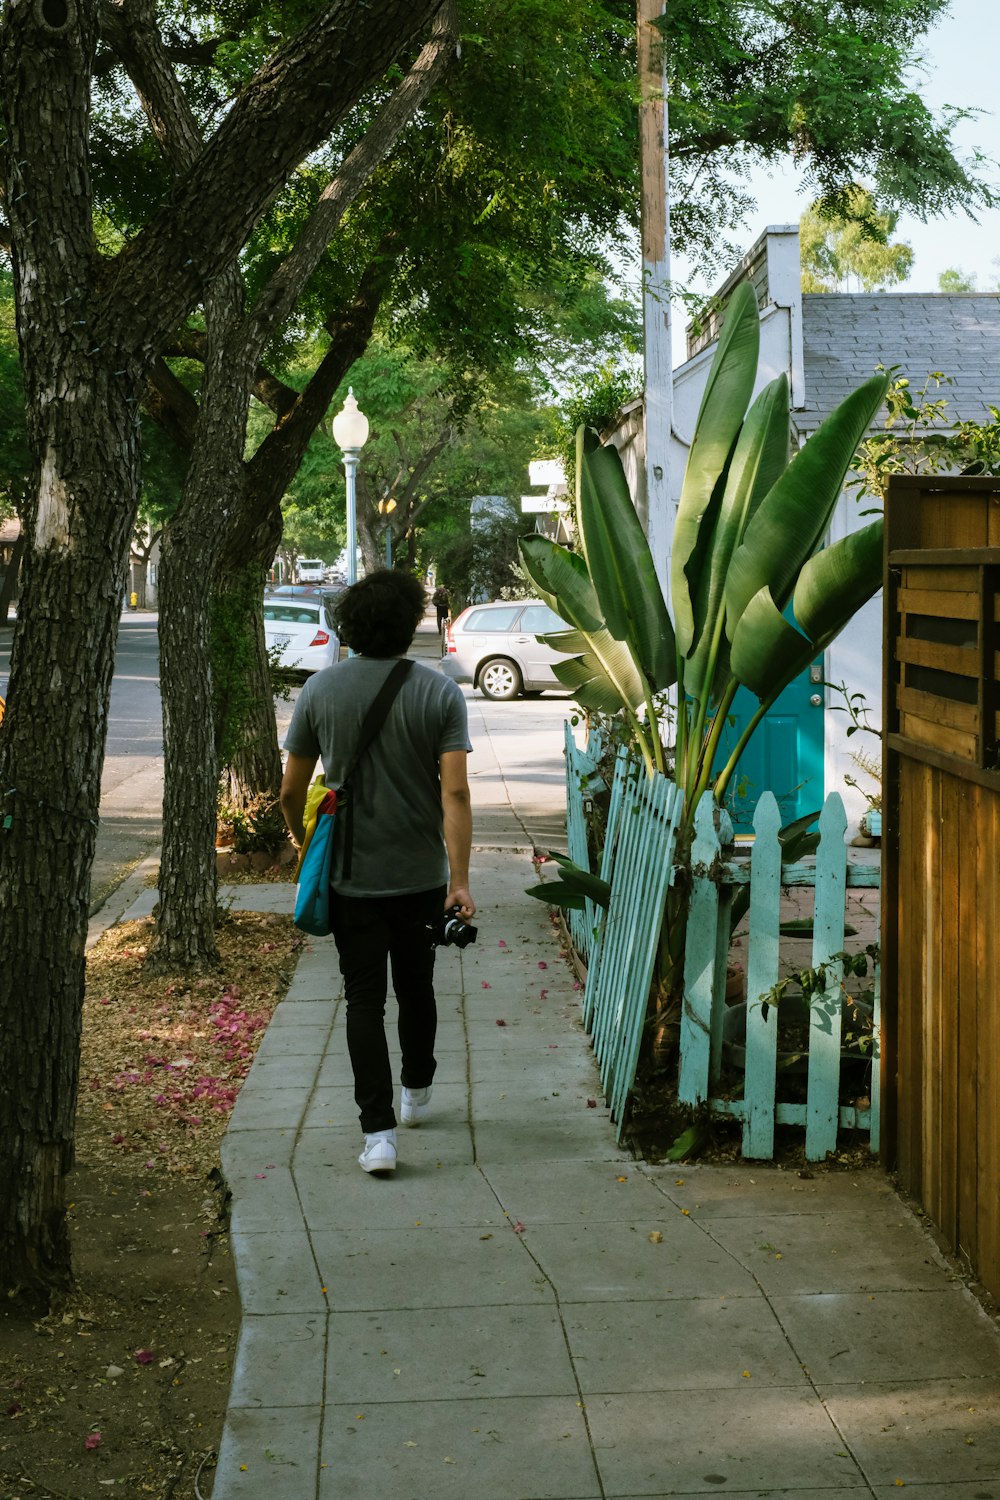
{"x": 378, "y": 615}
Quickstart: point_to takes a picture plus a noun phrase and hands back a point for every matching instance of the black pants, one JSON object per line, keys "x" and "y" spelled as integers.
{"x": 368, "y": 931}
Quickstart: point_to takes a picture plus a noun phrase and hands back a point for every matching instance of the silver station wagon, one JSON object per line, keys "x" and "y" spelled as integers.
{"x": 493, "y": 646}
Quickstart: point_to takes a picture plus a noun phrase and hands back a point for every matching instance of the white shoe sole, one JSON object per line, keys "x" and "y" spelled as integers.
{"x": 377, "y": 1166}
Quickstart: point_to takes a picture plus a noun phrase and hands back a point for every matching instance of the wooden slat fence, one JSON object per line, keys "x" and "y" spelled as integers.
{"x": 941, "y": 707}
{"x": 704, "y": 1011}
{"x": 637, "y": 861}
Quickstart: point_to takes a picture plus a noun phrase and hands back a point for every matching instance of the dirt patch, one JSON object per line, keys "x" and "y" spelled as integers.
{"x": 123, "y": 1390}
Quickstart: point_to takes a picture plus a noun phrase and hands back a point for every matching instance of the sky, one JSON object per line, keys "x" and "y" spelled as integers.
{"x": 962, "y": 54}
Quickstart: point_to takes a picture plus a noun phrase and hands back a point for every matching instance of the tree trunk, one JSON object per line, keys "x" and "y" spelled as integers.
{"x": 245, "y": 728}
{"x": 371, "y": 536}
{"x": 191, "y": 549}
{"x": 80, "y": 409}
{"x": 60, "y": 679}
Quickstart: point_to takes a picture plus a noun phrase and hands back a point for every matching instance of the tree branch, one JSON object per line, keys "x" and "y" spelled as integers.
{"x": 290, "y": 106}
{"x": 171, "y": 405}
{"x": 130, "y": 28}
{"x": 279, "y": 297}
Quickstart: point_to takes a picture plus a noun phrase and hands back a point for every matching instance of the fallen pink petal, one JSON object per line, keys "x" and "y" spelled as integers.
{"x": 501, "y": 944}
{"x": 501, "y": 1023}
{"x": 518, "y": 1228}
{"x": 591, "y": 1103}
{"x": 542, "y": 964}
{"x": 487, "y": 985}
{"x": 542, "y": 994}
{"x": 92, "y": 1440}
{"x": 144, "y": 1356}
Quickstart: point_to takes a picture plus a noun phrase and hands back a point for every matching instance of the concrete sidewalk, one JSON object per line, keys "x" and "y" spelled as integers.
{"x": 523, "y": 1312}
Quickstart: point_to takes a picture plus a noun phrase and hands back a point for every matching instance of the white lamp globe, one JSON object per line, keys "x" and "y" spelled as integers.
{"x": 350, "y": 426}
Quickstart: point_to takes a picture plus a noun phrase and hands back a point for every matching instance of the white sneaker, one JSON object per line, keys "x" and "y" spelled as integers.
{"x": 415, "y": 1104}
{"x": 379, "y": 1154}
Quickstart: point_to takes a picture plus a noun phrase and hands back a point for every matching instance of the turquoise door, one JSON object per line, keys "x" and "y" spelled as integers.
{"x": 785, "y": 755}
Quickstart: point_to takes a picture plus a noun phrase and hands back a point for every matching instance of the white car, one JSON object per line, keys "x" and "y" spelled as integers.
{"x": 311, "y": 569}
{"x": 494, "y": 647}
{"x": 303, "y": 631}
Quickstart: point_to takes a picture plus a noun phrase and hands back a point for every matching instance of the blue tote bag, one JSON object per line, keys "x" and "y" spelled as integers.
{"x": 312, "y": 894}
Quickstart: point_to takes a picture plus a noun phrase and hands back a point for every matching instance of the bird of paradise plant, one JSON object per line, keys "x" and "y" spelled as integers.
{"x": 747, "y": 553}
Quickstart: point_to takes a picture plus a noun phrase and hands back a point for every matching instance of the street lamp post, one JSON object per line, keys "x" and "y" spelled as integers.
{"x": 350, "y": 433}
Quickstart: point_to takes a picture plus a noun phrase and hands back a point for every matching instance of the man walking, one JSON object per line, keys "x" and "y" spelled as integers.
{"x": 441, "y": 601}
{"x": 401, "y": 858}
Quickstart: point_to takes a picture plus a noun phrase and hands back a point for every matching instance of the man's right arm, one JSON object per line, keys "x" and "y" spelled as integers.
{"x": 456, "y": 806}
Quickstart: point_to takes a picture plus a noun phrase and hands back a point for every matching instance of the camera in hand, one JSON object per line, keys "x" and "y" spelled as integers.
{"x": 452, "y": 931}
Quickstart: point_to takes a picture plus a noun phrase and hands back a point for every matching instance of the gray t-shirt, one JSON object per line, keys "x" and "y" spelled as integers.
{"x": 398, "y": 844}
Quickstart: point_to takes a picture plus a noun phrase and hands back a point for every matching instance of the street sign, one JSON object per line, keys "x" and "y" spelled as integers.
{"x": 544, "y": 505}
{"x": 546, "y": 471}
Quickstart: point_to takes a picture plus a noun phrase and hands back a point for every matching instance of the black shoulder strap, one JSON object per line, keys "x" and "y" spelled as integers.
{"x": 373, "y": 721}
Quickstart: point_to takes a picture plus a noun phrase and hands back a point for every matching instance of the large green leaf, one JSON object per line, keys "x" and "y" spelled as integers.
{"x": 841, "y": 577}
{"x": 558, "y": 893}
{"x": 621, "y": 565}
{"x": 607, "y": 677}
{"x": 768, "y": 652}
{"x": 592, "y": 885}
{"x": 760, "y": 457}
{"x": 792, "y": 519}
{"x": 766, "y": 649}
{"x": 587, "y": 440}
{"x": 604, "y": 677}
{"x": 562, "y": 580}
{"x": 570, "y": 641}
{"x": 723, "y": 405}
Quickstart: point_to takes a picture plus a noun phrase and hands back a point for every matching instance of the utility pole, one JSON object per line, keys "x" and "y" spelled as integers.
{"x": 656, "y": 285}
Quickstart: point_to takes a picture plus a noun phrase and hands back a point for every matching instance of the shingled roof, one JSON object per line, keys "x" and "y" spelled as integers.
{"x": 846, "y": 334}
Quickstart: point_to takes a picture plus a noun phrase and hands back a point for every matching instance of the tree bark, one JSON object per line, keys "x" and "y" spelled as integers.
{"x": 192, "y": 546}
{"x": 89, "y": 329}
{"x": 78, "y": 521}
{"x": 247, "y": 741}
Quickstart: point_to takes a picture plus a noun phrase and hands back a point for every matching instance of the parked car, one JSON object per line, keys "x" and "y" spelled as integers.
{"x": 493, "y": 646}
{"x": 311, "y": 569}
{"x": 302, "y": 628}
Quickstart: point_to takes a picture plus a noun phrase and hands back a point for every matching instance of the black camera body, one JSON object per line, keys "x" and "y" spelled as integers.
{"x": 451, "y": 931}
